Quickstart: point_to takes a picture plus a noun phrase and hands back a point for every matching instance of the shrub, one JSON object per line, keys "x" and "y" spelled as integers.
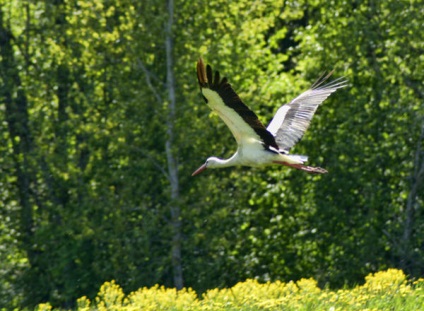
{"x": 388, "y": 290}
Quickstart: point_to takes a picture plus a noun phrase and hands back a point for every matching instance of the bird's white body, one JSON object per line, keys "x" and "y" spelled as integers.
{"x": 259, "y": 146}
{"x": 251, "y": 153}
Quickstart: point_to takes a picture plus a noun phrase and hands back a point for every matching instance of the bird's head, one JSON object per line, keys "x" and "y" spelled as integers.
{"x": 211, "y": 162}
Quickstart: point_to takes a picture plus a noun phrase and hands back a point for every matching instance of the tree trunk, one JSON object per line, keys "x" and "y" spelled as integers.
{"x": 17, "y": 118}
{"x": 417, "y": 179}
{"x": 171, "y": 158}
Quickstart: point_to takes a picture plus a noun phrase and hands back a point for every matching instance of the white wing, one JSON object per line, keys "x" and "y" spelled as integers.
{"x": 292, "y": 120}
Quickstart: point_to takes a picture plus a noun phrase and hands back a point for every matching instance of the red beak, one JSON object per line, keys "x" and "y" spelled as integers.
{"x": 199, "y": 170}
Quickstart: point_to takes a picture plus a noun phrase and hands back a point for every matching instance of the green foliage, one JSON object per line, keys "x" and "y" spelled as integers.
{"x": 386, "y": 290}
{"x": 83, "y": 171}
{"x": 369, "y": 137}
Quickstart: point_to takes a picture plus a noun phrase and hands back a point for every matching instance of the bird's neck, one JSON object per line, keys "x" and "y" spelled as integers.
{"x": 226, "y": 162}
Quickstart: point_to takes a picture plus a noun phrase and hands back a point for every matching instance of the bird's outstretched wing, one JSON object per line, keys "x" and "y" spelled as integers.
{"x": 292, "y": 120}
{"x": 220, "y": 96}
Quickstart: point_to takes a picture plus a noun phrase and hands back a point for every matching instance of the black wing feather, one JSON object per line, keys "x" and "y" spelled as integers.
{"x": 232, "y": 100}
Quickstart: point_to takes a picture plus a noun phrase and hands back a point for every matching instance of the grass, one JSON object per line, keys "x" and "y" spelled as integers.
{"x": 386, "y": 290}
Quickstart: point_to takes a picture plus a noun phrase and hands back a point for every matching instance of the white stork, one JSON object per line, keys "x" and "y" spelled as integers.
{"x": 257, "y": 145}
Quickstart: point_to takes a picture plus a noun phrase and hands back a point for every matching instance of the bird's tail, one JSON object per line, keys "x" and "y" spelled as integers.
{"x": 298, "y": 157}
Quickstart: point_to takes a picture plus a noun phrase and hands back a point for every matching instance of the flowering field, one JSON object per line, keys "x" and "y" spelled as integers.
{"x": 387, "y": 290}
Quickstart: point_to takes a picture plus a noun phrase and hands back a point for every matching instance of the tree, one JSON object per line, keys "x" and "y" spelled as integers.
{"x": 103, "y": 125}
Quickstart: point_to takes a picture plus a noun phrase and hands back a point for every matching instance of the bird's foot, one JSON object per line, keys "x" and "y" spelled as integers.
{"x": 309, "y": 169}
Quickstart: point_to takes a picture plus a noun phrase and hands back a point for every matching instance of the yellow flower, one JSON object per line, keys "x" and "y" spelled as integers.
{"x": 308, "y": 286}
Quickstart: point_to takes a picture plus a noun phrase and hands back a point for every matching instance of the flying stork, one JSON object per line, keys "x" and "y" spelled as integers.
{"x": 257, "y": 145}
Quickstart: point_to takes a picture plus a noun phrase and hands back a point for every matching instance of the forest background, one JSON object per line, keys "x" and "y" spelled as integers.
{"x": 102, "y": 124}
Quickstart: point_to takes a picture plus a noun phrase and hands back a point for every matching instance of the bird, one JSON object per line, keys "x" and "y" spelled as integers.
{"x": 259, "y": 145}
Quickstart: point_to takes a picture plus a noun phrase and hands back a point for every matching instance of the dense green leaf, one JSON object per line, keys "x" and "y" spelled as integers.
{"x": 84, "y": 117}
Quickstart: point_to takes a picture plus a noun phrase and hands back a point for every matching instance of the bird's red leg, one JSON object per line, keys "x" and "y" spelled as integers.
{"x": 309, "y": 169}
